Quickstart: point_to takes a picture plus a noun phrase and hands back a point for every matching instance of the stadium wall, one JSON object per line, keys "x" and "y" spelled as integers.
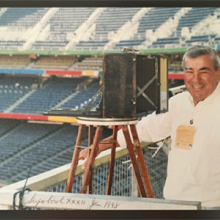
{"x": 98, "y": 52}
{"x": 38, "y": 117}
{"x": 95, "y": 52}
{"x": 51, "y": 72}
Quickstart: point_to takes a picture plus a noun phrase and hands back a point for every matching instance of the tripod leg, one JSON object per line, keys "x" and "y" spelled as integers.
{"x": 142, "y": 162}
{"x": 90, "y": 143}
{"x": 134, "y": 161}
{"x": 91, "y": 159}
{"x": 112, "y": 162}
{"x": 75, "y": 157}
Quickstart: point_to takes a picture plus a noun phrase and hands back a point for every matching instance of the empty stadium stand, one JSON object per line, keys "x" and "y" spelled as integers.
{"x": 14, "y": 61}
{"x": 61, "y": 29}
{"x": 108, "y": 22}
{"x": 63, "y": 22}
{"x": 91, "y": 63}
{"x": 12, "y": 89}
{"x": 80, "y": 99}
{"x": 16, "y": 24}
{"x": 54, "y": 62}
{"x": 193, "y": 17}
{"x": 149, "y": 21}
{"x": 53, "y": 91}
{"x": 22, "y": 17}
{"x": 74, "y": 39}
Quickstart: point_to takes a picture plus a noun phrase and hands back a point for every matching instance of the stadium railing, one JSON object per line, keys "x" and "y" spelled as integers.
{"x": 46, "y": 190}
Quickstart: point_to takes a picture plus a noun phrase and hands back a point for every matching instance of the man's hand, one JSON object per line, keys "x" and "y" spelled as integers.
{"x": 84, "y": 154}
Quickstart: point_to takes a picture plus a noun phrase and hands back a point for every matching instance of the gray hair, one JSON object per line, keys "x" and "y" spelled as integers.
{"x": 199, "y": 50}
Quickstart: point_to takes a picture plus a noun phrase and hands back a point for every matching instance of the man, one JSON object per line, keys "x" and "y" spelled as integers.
{"x": 193, "y": 122}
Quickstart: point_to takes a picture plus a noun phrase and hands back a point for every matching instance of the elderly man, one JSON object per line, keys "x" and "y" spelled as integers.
{"x": 193, "y": 122}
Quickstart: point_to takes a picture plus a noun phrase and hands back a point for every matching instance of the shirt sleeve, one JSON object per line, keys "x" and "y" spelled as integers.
{"x": 151, "y": 128}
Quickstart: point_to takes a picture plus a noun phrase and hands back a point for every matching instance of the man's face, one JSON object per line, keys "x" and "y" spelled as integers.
{"x": 200, "y": 77}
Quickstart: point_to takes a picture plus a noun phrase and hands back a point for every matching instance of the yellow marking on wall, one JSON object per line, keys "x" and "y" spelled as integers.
{"x": 62, "y": 119}
{"x": 88, "y": 73}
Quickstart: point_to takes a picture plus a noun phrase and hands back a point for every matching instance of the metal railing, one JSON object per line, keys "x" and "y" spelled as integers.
{"x": 46, "y": 190}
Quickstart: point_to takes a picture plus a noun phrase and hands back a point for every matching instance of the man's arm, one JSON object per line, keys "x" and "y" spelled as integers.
{"x": 102, "y": 146}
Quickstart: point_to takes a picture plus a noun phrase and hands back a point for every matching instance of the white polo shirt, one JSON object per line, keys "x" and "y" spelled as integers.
{"x": 192, "y": 174}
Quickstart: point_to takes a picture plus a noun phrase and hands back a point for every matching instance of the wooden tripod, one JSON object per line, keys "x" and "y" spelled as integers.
{"x": 139, "y": 165}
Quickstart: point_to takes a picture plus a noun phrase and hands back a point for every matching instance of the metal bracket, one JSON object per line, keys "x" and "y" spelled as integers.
{"x": 141, "y": 91}
{"x": 92, "y": 101}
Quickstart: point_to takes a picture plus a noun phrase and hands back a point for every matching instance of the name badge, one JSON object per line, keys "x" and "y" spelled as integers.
{"x": 184, "y": 137}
